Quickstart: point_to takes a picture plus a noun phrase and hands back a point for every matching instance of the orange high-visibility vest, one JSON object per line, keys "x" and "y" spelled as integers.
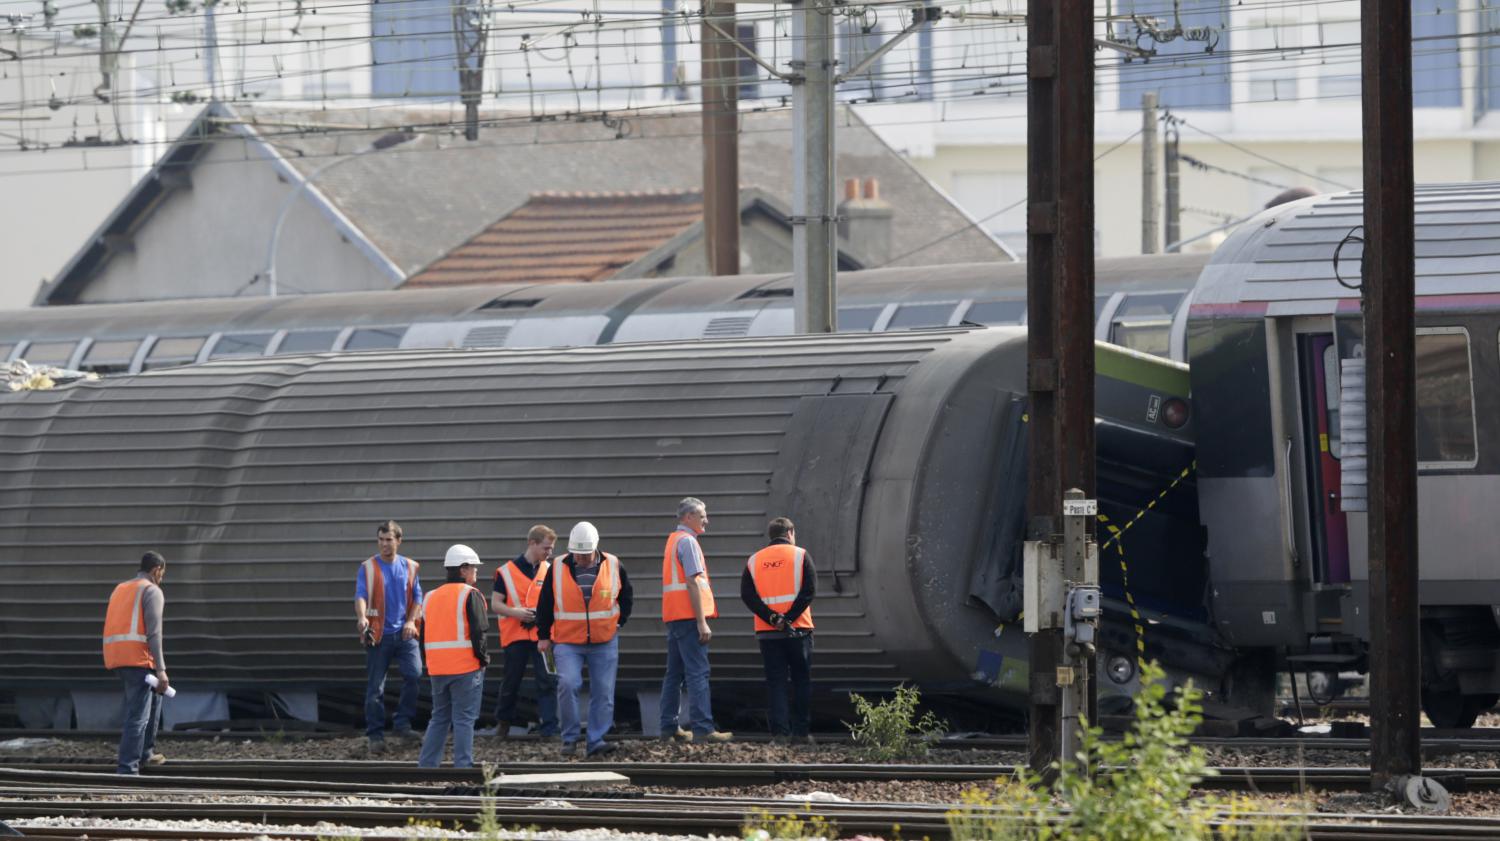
{"x": 578, "y": 622}
{"x": 375, "y": 590}
{"x": 447, "y": 638}
{"x": 777, "y": 573}
{"x": 675, "y": 603}
{"x": 520, "y": 591}
{"x": 125, "y": 627}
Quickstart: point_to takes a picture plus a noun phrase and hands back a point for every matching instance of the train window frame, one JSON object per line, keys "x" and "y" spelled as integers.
{"x": 265, "y": 348}
{"x": 1417, "y": 397}
{"x": 879, "y": 311}
{"x": 176, "y": 360}
{"x": 946, "y": 307}
{"x": 278, "y": 348}
{"x": 976, "y": 304}
{"x": 1332, "y": 394}
{"x": 355, "y": 331}
{"x": 65, "y": 363}
{"x": 115, "y": 363}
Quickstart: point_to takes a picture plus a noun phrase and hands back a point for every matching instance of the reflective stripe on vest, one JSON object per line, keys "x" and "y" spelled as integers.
{"x": 510, "y": 628}
{"x": 576, "y": 622}
{"x": 375, "y": 593}
{"x": 675, "y": 603}
{"x": 447, "y": 637}
{"x": 777, "y": 573}
{"x": 125, "y": 642}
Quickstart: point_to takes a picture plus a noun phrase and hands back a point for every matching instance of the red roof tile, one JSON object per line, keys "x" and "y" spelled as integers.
{"x": 560, "y": 237}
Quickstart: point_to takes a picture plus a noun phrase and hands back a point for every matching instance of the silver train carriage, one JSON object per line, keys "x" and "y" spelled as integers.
{"x": 1269, "y": 332}
{"x": 1136, "y": 299}
{"x": 900, "y": 456}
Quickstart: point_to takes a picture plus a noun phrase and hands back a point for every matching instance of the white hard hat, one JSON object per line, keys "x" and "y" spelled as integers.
{"x": 583, "y": 538}
{"x": 458, "y": 555}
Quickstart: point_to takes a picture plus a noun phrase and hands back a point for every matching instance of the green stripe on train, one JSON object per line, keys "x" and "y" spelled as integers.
{"x": 1163, "y": 375}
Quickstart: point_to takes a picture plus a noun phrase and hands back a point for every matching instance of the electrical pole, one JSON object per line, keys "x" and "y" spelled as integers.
{"x": 1062, "y": 602}
{"x": 1387, "y": 298}
{"x": 814, "y": 297}
{"x": 1150, "y": 205}
{"x": 721, "y": 156}
{"x": 1174, "y": 200}
{"x": 470, "y": 36}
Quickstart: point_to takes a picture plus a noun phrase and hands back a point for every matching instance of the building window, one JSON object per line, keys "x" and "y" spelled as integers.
{"x": 856, "y": 41}
{"x": 1435, "y": 79}
{"x": 748, "y": 71}
{"x": 1183, "y": 73}
{"x": 412, "y": 48}
{"x": 997, "y": 201}
{"x": 1445, "y": 399}
{"x": 1339, "y": 72}
{"x": 1270, "y": 70}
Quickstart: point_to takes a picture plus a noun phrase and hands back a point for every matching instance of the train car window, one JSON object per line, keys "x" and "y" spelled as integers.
{"x": 997, "y": 312}
{"x": 308, "y": 341}
{"x": 511, "y": 304}
{"x": 240, "y": 344}
{"x": 1153, "y": 305}
{"x": 858, "y": 319}
{"x": 1445, "y": 398}
{"x": 1331, "y": 394}
{"x": 49, "y": 353}
{"x": 375, "y": 338}
{"x": 1144, "y": 322}
{"x": 910, "y": 316}
{"x": 170, "y": 352}
{"x": 110, "y": 357}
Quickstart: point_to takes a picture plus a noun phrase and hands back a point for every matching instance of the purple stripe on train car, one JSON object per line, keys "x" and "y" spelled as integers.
{"x": 1474, "y": 301}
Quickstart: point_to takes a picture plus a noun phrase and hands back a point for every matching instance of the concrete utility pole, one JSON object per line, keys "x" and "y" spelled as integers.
{"x": 721, "y": 151}
{"x": 1150, "y": 204}
{"x": 1174, "y": 200}
{"x": 1387, "y": 298}
{"x": 814, "y": 297}
{"x": 1061, "y": 604}
{"x": 470, "y": 38}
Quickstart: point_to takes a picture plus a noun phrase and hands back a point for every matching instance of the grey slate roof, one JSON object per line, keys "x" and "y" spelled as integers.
{"x": 417, "y": 201}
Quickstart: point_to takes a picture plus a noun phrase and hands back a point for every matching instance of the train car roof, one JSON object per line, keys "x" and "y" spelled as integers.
{"x": 1284, "y": 256}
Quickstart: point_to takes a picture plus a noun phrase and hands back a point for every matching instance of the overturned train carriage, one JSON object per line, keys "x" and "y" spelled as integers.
{"x": 900, "y": 456}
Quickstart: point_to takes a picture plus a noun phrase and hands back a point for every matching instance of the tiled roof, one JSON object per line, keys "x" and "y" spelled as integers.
{"x": 559, "y": 236}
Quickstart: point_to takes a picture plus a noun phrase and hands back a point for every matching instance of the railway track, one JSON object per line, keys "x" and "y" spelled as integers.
{"x": 405, "y": 778}
{"x": 679, "y": 815}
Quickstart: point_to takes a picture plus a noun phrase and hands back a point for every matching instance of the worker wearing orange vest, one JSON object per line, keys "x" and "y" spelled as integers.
{"x": 687, "y": 603}
{"x": 387, "y": 607}
{"x": 453, "y": 626}
{"x": 513, "y": 597}
{"x": 778, "y": 585}
{"x": 585, "y": 598}
{"x": 133, "y": 651}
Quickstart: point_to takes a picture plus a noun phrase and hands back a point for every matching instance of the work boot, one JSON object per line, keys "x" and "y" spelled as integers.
{"x": 714, "y": 737}
{"x": 680, "y": 736}
{"x": 156, "y": 759}
{"x": 502, "y": 731}
{"x": 376, "y": 745}
{"x": 603, "y": 749}
{"x": 570, "y": 749}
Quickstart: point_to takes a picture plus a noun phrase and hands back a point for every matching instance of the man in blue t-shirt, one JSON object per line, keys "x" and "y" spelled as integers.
{"x": 388, "y": 605}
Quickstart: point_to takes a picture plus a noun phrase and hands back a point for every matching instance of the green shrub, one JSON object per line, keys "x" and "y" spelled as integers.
{"x": 891, "y": 729}
{"x": 1137, "y": 789}
{"x": 762, "y": 825}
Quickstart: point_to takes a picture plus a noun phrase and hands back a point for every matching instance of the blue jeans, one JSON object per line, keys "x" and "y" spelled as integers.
{"x": 603, "y": 659}
{"x": 517, "y": 656}
{"x": 455, "y": 705}
{"x": 687, "y": 665}
{"x": 378, "y": 657}
{"x": 139, "y": 717}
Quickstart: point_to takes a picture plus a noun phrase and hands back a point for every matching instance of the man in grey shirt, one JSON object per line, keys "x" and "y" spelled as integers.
{"x": 133, "y": 651}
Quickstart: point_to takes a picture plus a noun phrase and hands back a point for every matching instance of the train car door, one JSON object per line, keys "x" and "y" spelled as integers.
{"x": 1318, "y": 363}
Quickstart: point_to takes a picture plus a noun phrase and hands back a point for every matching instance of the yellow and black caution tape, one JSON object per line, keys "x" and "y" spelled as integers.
{"x": 1116, "y": 536}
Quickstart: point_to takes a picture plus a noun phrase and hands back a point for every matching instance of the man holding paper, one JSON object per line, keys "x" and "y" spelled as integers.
{"x": 133, "y": 651}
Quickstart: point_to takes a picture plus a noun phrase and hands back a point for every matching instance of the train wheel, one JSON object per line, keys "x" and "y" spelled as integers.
{"x": 1449, "y": 709}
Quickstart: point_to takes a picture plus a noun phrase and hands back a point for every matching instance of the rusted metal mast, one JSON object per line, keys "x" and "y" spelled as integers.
{"x": 721, "y": 154}
{"x": 1388, "y": 302}
{"x": 1060, "y": 295}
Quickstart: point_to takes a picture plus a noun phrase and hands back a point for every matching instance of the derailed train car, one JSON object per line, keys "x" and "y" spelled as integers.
{"x": 900, "y": 456}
